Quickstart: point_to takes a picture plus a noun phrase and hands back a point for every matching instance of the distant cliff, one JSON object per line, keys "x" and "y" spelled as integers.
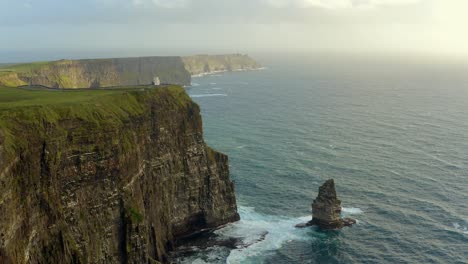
{"x": 95, "y": 73}
{"x": 105, "y": 176}
{"x": 205, "y": 64}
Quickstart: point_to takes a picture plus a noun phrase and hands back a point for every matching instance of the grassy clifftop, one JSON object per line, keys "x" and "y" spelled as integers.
{"x": 103, "y": 107}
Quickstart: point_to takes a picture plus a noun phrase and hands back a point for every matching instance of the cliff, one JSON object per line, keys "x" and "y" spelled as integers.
{"x": 105, "y": 176}
{"x": 205, "y": 64}
{"x": 96, "y": 72}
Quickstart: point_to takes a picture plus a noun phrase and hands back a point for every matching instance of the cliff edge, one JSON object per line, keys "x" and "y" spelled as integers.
{"x": 105, "y": 176}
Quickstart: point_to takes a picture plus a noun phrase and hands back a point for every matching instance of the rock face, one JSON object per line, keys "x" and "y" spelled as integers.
{"x": 113, "y": 180}
{"x": 95, "y": 73}
{"x": 326, "y": 208}
{"x": 205, "y": 64}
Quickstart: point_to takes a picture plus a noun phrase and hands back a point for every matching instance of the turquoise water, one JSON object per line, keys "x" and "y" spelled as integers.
{"x": 393, "y": 135}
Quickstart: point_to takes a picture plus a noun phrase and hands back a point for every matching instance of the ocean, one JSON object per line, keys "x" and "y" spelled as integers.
{"x": 392, "y": 132}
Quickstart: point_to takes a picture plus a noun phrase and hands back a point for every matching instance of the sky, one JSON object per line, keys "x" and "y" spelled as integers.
{"x": 54, "y": 29}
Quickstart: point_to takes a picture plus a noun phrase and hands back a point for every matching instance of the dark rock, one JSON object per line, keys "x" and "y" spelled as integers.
{"x": 326, "y": 209}
{"x": 117, "y": 187}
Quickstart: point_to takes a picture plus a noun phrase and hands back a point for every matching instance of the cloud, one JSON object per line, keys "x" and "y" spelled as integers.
{"x": 137, "y": 2}
{"x": 170, "y": 3}
{"x": 337, "y": 4}
{"x": 275, "y": 4}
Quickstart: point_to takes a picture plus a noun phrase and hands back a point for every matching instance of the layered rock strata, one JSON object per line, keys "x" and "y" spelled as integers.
{"x": 114, "y": 180}
{"x": 206, "y": 64}
{"x": 97, "y": 73}
{"x": 326, "y": 209}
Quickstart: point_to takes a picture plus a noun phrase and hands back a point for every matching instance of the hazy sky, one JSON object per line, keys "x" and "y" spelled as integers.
{"x": 67, "y": 28}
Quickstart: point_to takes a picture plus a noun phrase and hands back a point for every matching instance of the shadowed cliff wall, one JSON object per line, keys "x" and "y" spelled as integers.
{"x": 114, "y": 179}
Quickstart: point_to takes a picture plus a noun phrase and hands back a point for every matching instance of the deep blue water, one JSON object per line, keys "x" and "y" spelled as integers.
{"x": 392, "y": 133}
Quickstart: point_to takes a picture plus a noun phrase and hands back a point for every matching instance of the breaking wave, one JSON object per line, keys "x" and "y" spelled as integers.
{"x": 206, "y": 95}
{"x": 461, "y": 228}
{"x": 256, "y": 235}
{"x": 261, "y": 233}
{"x": 351, "y": 211}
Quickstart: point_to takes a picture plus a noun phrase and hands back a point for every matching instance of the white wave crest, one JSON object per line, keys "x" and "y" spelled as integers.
{"x": 461, "y": 228}
{"x": 206, "y": 95}
{"x": 262, "y": 233}
{"x": 351, "y": 211}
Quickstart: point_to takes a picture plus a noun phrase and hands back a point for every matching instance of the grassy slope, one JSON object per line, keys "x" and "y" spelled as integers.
{"x": 24, "y": 67}
{"x": 104, "y": 108}
{"x": 9, "y": 72}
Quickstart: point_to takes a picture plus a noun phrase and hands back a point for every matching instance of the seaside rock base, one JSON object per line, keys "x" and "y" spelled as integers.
{"x": 326, "y": 209}
{"x": 342, "y": 223}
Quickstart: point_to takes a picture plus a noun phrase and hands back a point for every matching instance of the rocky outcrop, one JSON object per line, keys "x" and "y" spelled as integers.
{"x": 95, "y": 73}
{"x": 206, "y": 64}
{"x": 113, "y": 179}
{"x": 326, "y": 209}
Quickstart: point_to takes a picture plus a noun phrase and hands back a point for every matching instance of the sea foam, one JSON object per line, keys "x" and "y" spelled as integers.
{"x": 262, "y": 233}
{"x": 351, "y": 211}
{"x": 206, "y": 95}
{"x": 461, "y": 228}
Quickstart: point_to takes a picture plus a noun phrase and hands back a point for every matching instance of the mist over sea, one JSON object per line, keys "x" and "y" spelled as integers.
{"x": 393, "y": 133}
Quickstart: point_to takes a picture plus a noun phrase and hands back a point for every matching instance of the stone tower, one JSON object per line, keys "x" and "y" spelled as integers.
{"x": 156, "y": 81}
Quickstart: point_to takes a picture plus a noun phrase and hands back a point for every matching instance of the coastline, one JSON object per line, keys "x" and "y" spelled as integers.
{"x": 224, "y": 71}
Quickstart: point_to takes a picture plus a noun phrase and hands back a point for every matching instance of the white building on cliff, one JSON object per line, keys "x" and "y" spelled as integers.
{"x": 156, "y": 81}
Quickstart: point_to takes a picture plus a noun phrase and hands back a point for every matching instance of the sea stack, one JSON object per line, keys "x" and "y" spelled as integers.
{"x": 326, "y": 209}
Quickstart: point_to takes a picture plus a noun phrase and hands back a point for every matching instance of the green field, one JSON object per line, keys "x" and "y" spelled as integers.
{"x": 14, "y": 97}
{"x": 26, "y": 66}
{"x": 21, "y": 109}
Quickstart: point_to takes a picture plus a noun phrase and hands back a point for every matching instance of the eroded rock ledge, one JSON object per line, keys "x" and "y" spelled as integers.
{"x": 114, "y": 180}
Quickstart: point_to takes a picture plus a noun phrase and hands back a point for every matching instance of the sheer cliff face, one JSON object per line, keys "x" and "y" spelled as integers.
{"x": 98, "y": 72}
{"x": 203, "y": 64}
{"x": 120, "y": 72}
{"x": 111, "y": 183}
